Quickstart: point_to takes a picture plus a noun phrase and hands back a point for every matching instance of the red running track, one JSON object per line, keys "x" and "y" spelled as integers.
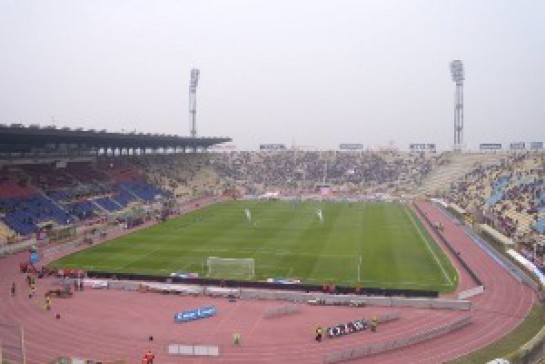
{"x": 108, "y": 324}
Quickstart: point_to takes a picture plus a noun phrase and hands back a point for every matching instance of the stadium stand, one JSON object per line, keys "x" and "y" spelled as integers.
{"x": 23, "y": 214}
{"x": 363, "y": 172}
{"x": 508, "y": 194}
{"x": 35, "y": 194}
{"x": 108, "y": 204}
{"x": 13, "y": 184}
{"x": 452, "y": 167}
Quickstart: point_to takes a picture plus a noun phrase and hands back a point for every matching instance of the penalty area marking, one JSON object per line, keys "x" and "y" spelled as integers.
{"x": 429, "y": 248}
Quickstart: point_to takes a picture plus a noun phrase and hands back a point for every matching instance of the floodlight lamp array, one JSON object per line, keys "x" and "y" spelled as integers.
{"x": 457, "y": 71}
{"x": 194, "y": 78}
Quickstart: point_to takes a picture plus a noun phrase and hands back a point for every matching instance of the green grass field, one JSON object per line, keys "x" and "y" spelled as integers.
{"x": 373, "y": 244}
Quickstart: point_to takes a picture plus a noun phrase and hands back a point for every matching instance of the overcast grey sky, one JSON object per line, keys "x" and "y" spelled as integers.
{"x": 310, "y": 72}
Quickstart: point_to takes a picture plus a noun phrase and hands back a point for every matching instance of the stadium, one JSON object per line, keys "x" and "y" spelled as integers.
{"x": 155, "y": 246}
{"x": 269, "y": 251}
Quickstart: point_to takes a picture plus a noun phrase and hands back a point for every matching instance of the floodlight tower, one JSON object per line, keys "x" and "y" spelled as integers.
{"x": 193, "y": 100}
{"x": 458, "y": 76}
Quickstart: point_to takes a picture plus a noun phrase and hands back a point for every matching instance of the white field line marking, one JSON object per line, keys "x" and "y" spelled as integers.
{"x": 429, "y": 247}
{"x": 407, "y": 283}
{"x": 359, "y": 269}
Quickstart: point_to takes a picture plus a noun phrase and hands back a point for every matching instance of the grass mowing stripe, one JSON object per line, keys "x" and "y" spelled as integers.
{"x": 429, "y": 247}
{"x": 371, "y": 242}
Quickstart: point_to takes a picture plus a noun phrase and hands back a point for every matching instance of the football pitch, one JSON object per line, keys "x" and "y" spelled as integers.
{"x": 370, "y": 244}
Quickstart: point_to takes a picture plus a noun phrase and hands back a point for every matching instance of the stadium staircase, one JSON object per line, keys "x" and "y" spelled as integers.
{"x": 453, "y": 167}
{"x": 108, "y": 204}
{"x": 53, "y": 201}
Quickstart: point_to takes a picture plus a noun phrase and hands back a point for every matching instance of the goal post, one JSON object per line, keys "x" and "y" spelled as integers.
{"x": 230, "y": 268}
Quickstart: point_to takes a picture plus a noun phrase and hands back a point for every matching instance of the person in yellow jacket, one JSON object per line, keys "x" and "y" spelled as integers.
{"x": 319, "y": 333}
{"x": 374, "y": 323}
{"x": 236, "y": 338}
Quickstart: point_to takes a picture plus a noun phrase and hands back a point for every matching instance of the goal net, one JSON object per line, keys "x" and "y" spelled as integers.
{"x": 231, "y": 268}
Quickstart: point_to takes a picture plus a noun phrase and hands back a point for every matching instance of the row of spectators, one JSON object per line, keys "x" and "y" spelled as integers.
{"x": 358, "y": 171}
{"x": 509, "y": 195}
{"x": 258, "y": 172}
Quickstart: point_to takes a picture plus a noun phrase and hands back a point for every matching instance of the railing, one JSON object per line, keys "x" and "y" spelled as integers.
{"x": 372, "y": 349}
{"x": 12, "y": 343}
{"x": 315, "y": 298}
{"x": 193, "y": 350}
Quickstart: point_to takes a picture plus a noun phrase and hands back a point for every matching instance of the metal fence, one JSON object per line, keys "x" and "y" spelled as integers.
{"x": 367, "y": 350}
{"x": 351, "y": 300}
{"x": 284, "y": 310}
{"x": 67, "y": 360}
{"x": 503, "y": 261}
{"x": 314, "y": 298}
{"x": 193, "y": 350}
{"x": 15, "y": 248}
{"x": 12, "y": 343}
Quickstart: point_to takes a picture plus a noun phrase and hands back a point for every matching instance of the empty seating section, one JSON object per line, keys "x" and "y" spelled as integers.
{"x": 108, "y": 204}
{"x": 23, "y": 214}
{"x": 33, "y": 194}
{"x": 80, "y": 191}
{"x": 141, "y": 189}
{"x": 119, "y": 169}
{"x": 124, "y": 198}
{"x": 58, "y": 195}
{"x": 82, "y": 210}
{"x": 47, "y": 176}
{"x": 12, "y": 184}
{"x": 86, "y": 172}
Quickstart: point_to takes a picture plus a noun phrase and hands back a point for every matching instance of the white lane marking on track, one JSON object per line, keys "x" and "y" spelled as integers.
{"x": 429, "y": 248}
